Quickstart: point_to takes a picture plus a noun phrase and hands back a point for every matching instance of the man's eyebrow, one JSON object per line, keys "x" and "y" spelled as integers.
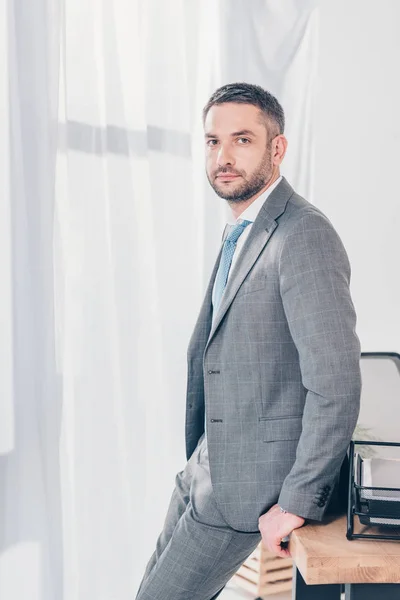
{"x": 243, "y": 132}
{"x": 234, "y": 134}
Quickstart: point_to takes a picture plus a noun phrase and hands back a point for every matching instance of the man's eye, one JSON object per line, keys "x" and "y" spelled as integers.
{"x": 212, "y": 142}
{"x": 243, "y": 140}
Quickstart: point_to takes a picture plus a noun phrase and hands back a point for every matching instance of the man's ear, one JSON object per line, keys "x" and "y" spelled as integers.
{"x": 278, "y": 150}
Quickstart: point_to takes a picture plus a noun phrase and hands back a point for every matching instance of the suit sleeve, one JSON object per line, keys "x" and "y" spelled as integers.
{"x": 314, "y": 281}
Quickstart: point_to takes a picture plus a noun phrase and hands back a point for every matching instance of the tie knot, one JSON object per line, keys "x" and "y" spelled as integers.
{"x": 237, "y": 231}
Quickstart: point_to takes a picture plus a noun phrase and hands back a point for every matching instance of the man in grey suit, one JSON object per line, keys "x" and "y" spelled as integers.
{"x": 274, "y": 380}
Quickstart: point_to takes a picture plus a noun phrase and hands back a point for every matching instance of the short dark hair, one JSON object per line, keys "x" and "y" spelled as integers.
{"x": 248, "y": 93}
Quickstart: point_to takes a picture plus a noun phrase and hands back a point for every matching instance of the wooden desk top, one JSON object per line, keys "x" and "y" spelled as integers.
{"x": 323, "y": 554}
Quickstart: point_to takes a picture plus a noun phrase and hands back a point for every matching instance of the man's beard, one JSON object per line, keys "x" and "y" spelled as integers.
{"x": 248, "y": 187}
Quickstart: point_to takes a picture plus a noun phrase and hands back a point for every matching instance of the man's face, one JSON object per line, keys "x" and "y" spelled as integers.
{"x": 238, "y": 154}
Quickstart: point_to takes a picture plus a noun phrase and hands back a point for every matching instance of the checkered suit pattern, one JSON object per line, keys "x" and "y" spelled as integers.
{"x": 274, "y": 383}
{"x": 275, "y": 379}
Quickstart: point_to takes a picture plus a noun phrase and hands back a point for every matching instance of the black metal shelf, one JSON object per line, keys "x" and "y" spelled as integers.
{"x": 362, "y": 503}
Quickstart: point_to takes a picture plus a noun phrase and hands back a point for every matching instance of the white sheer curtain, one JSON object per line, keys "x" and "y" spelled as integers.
{"x": 108, "y": 234}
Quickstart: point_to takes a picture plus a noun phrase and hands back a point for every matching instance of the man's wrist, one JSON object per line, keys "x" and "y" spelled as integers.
{"x": 286, "y": 512}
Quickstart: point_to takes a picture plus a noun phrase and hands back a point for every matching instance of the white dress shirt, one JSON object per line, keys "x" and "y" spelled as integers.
{"x": 249, "y": 214}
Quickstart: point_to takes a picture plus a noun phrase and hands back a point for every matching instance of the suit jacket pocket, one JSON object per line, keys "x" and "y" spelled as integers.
{"x": 253, "y": 284}
{"x": 281, "y": 428}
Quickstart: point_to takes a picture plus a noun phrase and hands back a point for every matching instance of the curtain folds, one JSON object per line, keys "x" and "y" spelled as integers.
{"x": 108, "y": 234}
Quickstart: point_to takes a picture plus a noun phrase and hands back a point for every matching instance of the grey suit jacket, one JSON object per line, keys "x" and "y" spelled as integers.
{"x": 276, "y": 379}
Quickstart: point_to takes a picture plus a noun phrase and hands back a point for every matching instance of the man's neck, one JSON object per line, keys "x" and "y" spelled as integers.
{"x": 238, "y": 208}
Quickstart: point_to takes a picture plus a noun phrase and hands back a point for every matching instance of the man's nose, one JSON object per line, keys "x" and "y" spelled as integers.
{"x": 225, "y": 156}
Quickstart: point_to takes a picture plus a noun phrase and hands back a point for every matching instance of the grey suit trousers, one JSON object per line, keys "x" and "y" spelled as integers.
{"x": 197, "y": 552}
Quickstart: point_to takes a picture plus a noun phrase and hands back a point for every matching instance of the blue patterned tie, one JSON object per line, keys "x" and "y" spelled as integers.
{"x": 226, "y": 260}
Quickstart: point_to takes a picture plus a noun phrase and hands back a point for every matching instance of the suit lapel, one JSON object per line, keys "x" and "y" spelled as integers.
{"x": 261, "y": 231}
{"x": 203, "y": 324}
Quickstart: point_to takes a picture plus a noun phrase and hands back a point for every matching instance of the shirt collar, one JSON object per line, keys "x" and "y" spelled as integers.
{"x": 254, "y": 208}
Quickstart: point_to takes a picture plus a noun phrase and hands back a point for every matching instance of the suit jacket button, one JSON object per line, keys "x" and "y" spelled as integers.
{"x": 210, "y": 372}
{"x": 321, "y": 503}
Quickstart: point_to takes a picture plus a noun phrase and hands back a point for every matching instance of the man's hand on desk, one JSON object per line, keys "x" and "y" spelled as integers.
{"x": 276, "y": 525}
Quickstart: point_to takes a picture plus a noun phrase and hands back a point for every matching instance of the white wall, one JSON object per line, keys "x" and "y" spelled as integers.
{"x": 357, "y": 154}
